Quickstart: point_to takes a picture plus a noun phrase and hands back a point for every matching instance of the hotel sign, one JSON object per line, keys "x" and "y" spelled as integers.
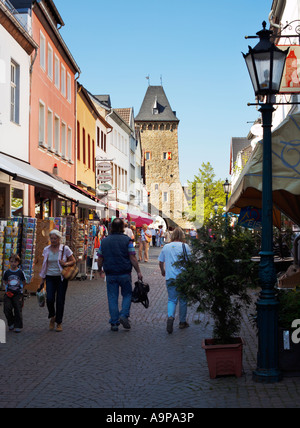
{"x": 291, "y": 76}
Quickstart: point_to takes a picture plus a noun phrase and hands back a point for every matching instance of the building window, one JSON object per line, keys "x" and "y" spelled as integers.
{"x": 56, "y": 72}
{"x": 42, "y": 51}
{"x": 57, "y": 135}
{"x": 89, "y": 151}
{"x": 70, "y": 144}
{"x": 50, "y": 62}
{"x": 64, "y": 140}
{"x": 98, "y": 136}
{"x": 167, "y": 156}
{"x": 165, "y": 196}
{"x": 63, "y": 80}
{"x": 83, "y": 146}
{"x": 69, "y": 94}
{"x": 78, "y": 140}
{"x": 93, "y": 156}
{"x": 148, "y": 156}
{"x": 50, "y": 130}
{"x": 14, "y": 92}
{"x": 42, "y": 124}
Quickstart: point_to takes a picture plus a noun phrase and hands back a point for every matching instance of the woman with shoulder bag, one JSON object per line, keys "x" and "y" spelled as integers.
{"x": 57, "y": 257}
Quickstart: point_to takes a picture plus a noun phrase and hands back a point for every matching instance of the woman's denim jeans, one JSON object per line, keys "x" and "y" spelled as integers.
{"x": 56, "y": 290}
{"x": 113, "y": 283}
{"x": 173, "y": 299}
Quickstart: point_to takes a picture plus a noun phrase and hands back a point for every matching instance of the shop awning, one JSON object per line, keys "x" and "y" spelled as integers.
{"x": 286, "y": 174}
{"x": 25, "y": 173}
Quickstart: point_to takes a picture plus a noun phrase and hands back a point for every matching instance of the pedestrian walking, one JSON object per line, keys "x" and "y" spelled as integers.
{"x": 13, "y": 281}
{"x": 117, "y": 256}
{"x": 144, "y": 243}
{"x": 128, "y": 231}
{"x": 56, "y": 257}
{"x": 169, "y": 255}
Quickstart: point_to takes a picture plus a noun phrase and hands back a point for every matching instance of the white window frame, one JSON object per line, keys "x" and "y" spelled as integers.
{"x": 50, "y": 62}
{"x": 42, "y": 51}
{"x": 56, "y": 71}
{"x": 70, "y": 136}
{"x": 42, "y": 123}
{"x": 57, "y": 135}
{"x": 63, "y": 80}
{"x": 50, "y": 126}
{"x": 14, "y": 92}
{"x": 69, "y": 92}
{"x": 63, "y": 140}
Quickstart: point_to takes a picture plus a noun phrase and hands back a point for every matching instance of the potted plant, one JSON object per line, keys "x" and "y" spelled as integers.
{"x": 216, "y": 278}
{"x": 289, "y": 352}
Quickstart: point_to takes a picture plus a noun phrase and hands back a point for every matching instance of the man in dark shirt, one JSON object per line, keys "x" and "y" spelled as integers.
{"x": 117, "y": 257}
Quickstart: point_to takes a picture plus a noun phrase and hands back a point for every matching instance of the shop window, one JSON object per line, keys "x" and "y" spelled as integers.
{"x": 17, "y": 202}
{"x": 2, "y": 202}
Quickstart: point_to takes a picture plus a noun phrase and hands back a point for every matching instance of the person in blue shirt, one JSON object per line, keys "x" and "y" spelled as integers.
{"x": 169, "y": 255}
{"x": 117, "y": 257}
{"x": 14, "y": 280}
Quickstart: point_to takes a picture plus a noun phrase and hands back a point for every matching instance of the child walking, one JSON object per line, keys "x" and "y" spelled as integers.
{"x": 14, "y": 280}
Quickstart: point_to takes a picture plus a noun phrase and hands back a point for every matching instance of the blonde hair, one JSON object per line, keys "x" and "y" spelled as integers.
{"x": 178, "y": 235}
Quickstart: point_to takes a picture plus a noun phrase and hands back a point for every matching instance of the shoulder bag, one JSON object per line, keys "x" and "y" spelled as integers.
{"x": 69, "y": 272}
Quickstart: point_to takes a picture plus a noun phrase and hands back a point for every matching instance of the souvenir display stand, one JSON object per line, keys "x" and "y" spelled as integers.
{"x": 18, "y": 236}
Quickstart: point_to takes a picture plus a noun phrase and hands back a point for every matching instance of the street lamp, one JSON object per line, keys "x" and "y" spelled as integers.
{"x": 226, "y": 187}
{"x": 265, "y": 64}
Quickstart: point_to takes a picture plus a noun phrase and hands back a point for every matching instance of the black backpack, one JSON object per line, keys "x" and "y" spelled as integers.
{"x": 140, "y": 293}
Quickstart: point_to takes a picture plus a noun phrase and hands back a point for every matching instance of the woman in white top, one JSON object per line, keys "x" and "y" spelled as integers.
{"x": 56, "y": 257}
{"x": 169, "y": 255}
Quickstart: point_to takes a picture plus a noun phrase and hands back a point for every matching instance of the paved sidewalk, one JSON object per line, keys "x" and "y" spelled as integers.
{"x": 89, "y": 366}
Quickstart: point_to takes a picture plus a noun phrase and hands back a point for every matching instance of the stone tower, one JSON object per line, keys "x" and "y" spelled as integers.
{"x": 158, "y": 127}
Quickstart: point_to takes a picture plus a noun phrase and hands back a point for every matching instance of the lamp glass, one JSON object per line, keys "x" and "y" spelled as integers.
{"x": 226, "y": 187}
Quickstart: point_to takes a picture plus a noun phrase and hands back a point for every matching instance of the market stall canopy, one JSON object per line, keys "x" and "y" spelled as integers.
{"x": 25, "y": 173}
{"x": 286, "y": 174}
{"x": 140, "y": 218}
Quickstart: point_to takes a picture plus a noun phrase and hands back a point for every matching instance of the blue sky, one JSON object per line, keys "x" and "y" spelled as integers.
{"x": 195, "y": 45}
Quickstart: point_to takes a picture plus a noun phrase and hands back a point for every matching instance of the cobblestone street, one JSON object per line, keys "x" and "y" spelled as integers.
{"x": 89, "y": 366}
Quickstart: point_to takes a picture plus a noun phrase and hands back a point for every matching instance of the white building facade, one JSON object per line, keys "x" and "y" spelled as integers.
{"x": 17, "y": 53}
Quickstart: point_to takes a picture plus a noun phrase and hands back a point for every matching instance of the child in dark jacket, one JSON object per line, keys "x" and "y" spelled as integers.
{"x": 14, "y": 280}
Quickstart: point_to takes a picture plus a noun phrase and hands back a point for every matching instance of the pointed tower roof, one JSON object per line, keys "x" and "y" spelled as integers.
{"x": 156, "y": 107}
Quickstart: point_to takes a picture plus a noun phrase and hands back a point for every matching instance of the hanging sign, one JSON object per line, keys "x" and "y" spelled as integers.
{"x": 104, "y": 166}
{"x": 290, "y": 83}
{"x": 105, "y": 187}
{"x": 250, "y": 217}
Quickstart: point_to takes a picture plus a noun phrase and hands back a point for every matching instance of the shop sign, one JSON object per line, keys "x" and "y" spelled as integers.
{"x": 104, "y": 166}
{"x": 290, "y": 83}
{"x": 250, "y": 217}
{"x": 105, "y": 187}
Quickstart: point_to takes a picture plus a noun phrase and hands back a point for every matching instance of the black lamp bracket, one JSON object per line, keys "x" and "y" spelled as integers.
{"x": 291, "y": 26}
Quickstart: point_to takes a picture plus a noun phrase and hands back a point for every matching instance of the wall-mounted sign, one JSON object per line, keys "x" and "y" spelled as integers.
{"x": 290, "y": 83}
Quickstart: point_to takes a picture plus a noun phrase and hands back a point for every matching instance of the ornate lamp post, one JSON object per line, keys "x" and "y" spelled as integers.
{"x": 266, "y": 64}
{"x": 226, "y": 187}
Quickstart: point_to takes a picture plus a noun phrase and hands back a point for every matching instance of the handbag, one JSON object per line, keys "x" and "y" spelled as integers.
{"x": 69, "y": 272}
{"x": 140, "y": 293}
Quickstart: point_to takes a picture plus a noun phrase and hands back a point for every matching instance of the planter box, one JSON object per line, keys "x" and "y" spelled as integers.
{"x": 289, "y": 359}
{"x": 224, "y": 360}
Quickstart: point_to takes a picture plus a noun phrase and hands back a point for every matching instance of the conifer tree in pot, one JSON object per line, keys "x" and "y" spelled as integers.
{"x": 216, "y": 277}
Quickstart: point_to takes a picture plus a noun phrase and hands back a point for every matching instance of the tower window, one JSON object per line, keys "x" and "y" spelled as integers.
{"x": 167, "y": 156}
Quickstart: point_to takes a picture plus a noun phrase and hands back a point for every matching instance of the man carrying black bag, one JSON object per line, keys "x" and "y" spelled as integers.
{"x": 117, "y": 256}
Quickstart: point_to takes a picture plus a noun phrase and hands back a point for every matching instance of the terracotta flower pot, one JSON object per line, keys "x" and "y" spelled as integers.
{"x": 224, "y": 360}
